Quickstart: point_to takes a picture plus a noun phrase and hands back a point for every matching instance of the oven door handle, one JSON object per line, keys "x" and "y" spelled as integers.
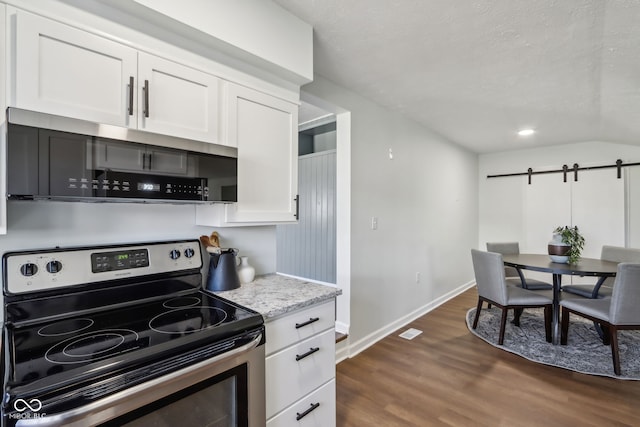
{"x": 138, "y": 395}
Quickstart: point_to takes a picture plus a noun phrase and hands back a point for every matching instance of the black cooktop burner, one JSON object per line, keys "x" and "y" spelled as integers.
{"x": 65, "y": 327}
{"x": 181, "y": 302}
{"x": 92, "y": 346}
{"x": 187, "y": 319}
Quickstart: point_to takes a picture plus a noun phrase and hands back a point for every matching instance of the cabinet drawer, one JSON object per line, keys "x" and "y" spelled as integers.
{"x": 287, "y": 379}
{"x": 323, "y": 414}
{"x": 297, "y": 326}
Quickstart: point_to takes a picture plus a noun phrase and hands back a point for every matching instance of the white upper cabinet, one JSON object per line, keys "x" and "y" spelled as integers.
{"x": 177, "y": 100}
{"x": 265, "y": 130}
{"x": 59, "y": 69}
{"x": 68, "y": 72}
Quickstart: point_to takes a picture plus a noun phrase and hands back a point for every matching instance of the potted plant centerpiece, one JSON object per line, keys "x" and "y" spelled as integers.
{"x": 566, "y": 245}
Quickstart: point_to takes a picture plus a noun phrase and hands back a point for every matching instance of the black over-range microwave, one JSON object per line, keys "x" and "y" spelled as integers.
{"x": 59, "y": 158}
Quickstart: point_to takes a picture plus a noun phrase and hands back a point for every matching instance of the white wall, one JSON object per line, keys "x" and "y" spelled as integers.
{"x": 426, "y": 203}
{"x": 45, "y": 224}
{"x": 503, "y": 201}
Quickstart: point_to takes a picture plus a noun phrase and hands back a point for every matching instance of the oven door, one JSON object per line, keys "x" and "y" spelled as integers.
{"x": 225, "y": 390}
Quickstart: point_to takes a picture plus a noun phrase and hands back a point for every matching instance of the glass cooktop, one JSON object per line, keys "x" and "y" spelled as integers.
{"x": 57, "y": 338}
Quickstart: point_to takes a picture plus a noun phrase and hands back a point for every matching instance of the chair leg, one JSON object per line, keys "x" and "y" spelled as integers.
{"x": 564, "y": 326}
{"x": 606, "y": 335}
{"x": 548, "y": 309}
{"x": 478, "y": 308}
{"x": 503, "y": 324}
{"x": 615, "y": 354}
{"x": 517, "y": 312}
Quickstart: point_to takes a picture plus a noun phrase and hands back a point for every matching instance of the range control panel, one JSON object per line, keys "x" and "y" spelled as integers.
{"x": 38, "y": 270}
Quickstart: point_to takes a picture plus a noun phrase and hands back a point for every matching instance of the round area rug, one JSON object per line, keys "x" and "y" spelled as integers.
{"x": 583, "y": 353}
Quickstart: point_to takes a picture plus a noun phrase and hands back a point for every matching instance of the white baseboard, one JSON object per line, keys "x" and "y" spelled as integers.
{"x": 349, "y": 349}
{"x": 342, "y": 351}
{"x": 342, "y": 327}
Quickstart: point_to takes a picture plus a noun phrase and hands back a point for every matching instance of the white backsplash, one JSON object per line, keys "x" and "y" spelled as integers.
{"x": 46, "y": 224}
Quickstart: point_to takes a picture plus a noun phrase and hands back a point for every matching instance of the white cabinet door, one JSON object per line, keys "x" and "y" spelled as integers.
{"x": 177, "y": 100}
{"x": 68, "y": 72}
{"x": 265, "y": 130}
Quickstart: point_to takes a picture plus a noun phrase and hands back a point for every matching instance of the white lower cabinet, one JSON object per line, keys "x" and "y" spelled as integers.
{"x": 317, "y": 409}
{"x": 300, "y": 368}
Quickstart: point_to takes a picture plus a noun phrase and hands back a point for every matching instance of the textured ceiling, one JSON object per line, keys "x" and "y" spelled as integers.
{"x": 477, "y": 71}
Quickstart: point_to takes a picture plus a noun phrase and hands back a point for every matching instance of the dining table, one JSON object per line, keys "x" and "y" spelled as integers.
{"x": 585, "y": 267}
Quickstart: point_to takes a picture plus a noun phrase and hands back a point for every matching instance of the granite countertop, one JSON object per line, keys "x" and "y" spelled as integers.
{"x": 273, "y": 295}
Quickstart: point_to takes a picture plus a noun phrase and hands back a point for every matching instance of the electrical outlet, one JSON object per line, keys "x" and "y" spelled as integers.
{"x": 417, "y": 277}
{"x": 374, "y": 222}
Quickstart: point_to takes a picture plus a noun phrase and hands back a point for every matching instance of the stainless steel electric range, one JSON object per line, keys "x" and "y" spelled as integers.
{"x": 125, "y": 335}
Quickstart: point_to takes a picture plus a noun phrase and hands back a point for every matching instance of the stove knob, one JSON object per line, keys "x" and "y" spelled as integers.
{"x": 174, "y": 254}
{"x": 28, "y": 269}
{"x": 54, "y": 266}
{"x": 189, "y": 252}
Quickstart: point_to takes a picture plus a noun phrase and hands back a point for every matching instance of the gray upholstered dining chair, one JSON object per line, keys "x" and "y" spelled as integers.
{"x": 493, "y": 289}
{"x": 603, "y": 287}
{"x": 514, "y": 276}
{"x": 613, "y": 314}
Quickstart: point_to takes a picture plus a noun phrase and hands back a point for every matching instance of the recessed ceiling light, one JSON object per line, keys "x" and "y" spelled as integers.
{"x": 526, "y": 132}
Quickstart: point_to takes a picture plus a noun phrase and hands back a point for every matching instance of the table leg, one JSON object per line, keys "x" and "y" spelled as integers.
{"x": 555, "y": 325}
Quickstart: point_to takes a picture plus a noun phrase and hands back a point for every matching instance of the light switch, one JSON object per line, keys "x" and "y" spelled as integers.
{"x": 374, "y": 222}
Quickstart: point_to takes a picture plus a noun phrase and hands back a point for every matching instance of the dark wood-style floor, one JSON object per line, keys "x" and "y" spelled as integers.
{"x": 448, "y": 377}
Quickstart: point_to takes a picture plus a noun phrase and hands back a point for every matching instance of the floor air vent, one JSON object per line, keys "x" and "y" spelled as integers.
{"x": 410, "y": 333}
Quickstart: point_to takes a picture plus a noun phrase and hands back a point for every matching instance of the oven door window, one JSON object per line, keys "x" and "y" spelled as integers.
{"x": 220, "y": 401}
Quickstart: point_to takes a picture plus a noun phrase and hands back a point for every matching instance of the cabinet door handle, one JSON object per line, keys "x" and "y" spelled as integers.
{"x": 131, "y": 95}
{"x": 308, "y": 322}
{"x": 149, "y": 158}
{"x": 300, "y": 416}
{"x": 144, "y": 160}
{"x": 145, "y": 89}
{"x": 312, "y": 350}
{"x": 297, "y": 214}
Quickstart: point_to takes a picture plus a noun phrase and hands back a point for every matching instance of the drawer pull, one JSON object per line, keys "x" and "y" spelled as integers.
{"x": 308, "y": 322}
{"x": 312, "y": 350}
{"x": 300, "y": 416}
